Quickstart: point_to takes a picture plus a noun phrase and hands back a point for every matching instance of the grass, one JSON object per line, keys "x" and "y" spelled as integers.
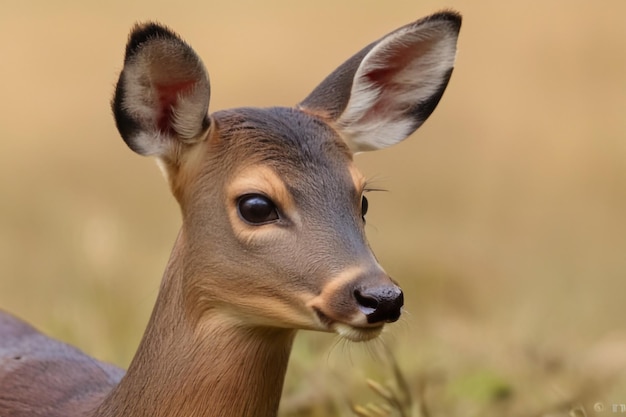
{"x": 504, "y": 222}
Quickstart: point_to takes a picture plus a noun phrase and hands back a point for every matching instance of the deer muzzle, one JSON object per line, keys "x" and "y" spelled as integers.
{"x": 357, "y": 303}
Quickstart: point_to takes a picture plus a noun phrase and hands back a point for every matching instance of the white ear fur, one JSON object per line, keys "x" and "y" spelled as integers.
{"x": 376, "y": 115}
{"x": 385, "y": 92}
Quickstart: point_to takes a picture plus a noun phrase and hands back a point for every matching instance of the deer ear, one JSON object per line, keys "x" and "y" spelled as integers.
{"x": 162, "y": 96}
{"x": 387, "y": 90}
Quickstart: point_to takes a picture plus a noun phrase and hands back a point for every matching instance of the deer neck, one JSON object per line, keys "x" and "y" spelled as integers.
{"x": 200, "y": 367}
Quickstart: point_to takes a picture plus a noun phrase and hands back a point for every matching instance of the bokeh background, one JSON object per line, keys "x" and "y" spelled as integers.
{"x": 504, "y": 219}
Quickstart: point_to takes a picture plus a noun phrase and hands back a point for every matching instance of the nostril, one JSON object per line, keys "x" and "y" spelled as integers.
{"x": 367, "y": 303}
{"x": 380, "y": 304}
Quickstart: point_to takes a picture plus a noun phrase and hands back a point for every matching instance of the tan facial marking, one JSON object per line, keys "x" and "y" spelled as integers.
{"x": 357, "y": 177}
{"x": 331, "y": 287}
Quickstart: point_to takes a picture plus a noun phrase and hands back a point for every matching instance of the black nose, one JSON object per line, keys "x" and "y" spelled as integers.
{"x": 380, "y": 304}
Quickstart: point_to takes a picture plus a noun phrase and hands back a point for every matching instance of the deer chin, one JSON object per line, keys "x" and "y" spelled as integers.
{"x": 357, "y": 334}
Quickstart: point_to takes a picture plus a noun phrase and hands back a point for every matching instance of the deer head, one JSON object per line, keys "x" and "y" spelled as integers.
{"x": 273, "y": 205}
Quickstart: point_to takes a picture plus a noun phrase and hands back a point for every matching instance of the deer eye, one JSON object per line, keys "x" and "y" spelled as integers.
{"x": 364, "y": 207}
{"x": 257, "y": 209}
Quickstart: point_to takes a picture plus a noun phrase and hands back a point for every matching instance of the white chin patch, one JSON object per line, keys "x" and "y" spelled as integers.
{"x": 356, "y": 334}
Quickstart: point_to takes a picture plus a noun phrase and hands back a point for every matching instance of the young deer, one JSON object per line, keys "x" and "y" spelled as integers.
{"x": 272, "y": 238}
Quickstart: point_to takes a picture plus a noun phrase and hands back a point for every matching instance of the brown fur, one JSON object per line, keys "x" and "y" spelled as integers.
{"x": 40, "y": 376}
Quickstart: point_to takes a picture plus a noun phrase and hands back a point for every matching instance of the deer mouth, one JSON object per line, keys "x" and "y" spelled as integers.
{"x": 351, "y": 331}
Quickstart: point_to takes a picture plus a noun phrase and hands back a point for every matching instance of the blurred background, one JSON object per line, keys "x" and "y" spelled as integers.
{"x": 504, "y": 219}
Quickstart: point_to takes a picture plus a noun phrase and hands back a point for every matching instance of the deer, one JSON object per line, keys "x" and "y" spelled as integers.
{"x": 272, "y": 239}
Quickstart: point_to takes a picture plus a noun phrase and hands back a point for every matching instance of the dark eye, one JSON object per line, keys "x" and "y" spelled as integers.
{"x": 257, "y": 209}
{"x": 364, "y": 206}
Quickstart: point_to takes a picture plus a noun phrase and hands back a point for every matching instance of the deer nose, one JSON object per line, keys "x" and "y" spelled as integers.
{"x": 380, "y": 304}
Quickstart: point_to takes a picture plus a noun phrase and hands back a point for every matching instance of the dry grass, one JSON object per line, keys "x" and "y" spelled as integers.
{"x": 504, "y": 224}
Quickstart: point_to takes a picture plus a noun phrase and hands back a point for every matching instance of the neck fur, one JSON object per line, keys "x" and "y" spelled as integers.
{"x": 205, "y": 367}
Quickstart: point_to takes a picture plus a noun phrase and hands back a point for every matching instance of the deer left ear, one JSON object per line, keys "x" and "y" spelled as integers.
{"x": 387, "y": 90}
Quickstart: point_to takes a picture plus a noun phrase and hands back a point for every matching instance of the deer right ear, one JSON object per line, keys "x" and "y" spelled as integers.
{"x": 387, "y": 90}
{"x": 162, "y": 96}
